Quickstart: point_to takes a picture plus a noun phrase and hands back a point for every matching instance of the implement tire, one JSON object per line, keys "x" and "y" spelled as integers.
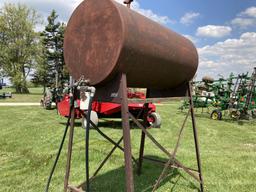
{"x": 154, "y": 120}
{"x": 216, "y": 114}
{"x": 235, "y": 114}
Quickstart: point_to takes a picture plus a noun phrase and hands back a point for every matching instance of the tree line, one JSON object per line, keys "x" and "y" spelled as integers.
{"x": 27, "y": 54}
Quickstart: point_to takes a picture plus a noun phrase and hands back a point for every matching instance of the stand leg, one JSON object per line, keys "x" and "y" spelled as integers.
{"x": 142, "y": 144}
{"x": 170, "y": 161}
{"x": 142, "y": 141}
{"x": 126, "y": 134}
{"x": 195, "y": 138}
{"x": 164, "y": 150}
{"x": 87, "y": 132}
{"x": 70, "y": 144}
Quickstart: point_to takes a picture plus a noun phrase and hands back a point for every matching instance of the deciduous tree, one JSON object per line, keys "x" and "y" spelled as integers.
{"x": 18, "y": 43}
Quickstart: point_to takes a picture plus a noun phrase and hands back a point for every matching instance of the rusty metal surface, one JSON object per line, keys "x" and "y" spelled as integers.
{"x": 195, "y": 137}
{"x": 127, "y": 136}
{"x": 104, "y": 38}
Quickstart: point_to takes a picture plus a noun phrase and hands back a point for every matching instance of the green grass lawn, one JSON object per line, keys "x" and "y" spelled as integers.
{"x": 34, "y": 96}
{"x": 30, "y": 137}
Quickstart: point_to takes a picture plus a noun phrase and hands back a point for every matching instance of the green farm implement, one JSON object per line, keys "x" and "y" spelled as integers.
{"x": 235, "y": 95}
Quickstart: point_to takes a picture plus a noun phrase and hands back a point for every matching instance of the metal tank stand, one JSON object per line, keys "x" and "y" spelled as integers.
{"x": 122, "y": 98}
{"x": 70, "y": 147}
{"x": 173, "y": 162}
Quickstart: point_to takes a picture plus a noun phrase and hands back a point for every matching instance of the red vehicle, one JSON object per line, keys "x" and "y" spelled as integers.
{"x": 113, "y": 110}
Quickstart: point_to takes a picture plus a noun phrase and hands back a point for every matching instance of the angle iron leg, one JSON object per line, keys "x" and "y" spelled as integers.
{"x": 70, "y": 144}
{"x": 142, "y": 144}
{"x": 195, "y": 137}
{"x": 142, "y": 141}
{"x": 170, "y": 161}
{"x": 187, "y": 170}
{"x": 126, "y": 134}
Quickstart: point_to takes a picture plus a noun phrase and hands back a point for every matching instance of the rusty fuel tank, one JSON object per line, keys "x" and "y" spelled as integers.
{"x": 104, "y": 38}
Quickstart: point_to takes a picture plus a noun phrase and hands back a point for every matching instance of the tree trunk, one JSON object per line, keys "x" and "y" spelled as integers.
{"x": 56, "y": 79}
{"x": 17, "y": 88}
{"x": 25, "y": 90}
{"x": 21, "y": 88}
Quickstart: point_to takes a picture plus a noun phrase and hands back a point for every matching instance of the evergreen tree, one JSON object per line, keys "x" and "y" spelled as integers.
{"x": 51, "y": 70}
{"x": 42, "y": 75}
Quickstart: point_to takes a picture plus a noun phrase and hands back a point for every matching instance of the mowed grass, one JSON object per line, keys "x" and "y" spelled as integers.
{"x": 30, "y": 137}
{"x": 35, "y": 95}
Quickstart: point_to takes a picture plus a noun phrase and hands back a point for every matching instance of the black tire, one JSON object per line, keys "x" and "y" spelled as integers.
{"x": 47, "y": 103}
{"x": 157, "y": 121}
{"x": 253, "y": 114}
{"x": 235, "y": 114}
{"x": 216, "y": 115}
{"x": 48, "y": 106}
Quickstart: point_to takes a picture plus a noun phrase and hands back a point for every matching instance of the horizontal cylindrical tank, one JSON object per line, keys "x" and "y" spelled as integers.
{"x": 104, "y": 38}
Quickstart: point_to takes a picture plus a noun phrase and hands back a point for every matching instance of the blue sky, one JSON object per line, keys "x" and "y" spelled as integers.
{"x": 224, "y": 31}
{"x": 211, "y": 12}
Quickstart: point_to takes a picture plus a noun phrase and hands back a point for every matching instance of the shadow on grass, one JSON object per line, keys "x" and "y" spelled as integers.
{"x": 226, "y": 118}
{"x": 52, "y": 109}
{"x": 41, "y": 94}
{"x": 114, "y": 180}
{"x": 239, "y": 121}
{"x": 77, "y": 124}
{"x": 27, "y": 93}
{"x": 115, "y": 124}
{"x": 104, "y": 124}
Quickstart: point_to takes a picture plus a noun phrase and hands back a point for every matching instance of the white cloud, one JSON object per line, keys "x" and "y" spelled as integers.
{"x": 213, "y": 31}
{"x": 65, "y": 8}
{"x": 245, "y": 19}
{"x": 243, "y": 22}
{"x": 189, "y": 18}
{"x": 148, "y": 13}
{"x": 191, "y": 38}
{"x": 231, "y": 55}
{"x": 250, "y": 12}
